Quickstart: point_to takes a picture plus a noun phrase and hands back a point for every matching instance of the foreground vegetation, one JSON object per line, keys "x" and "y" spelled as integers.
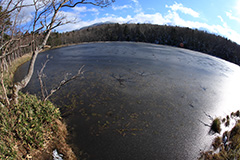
{"x": 26, "y": 126}
{"x": 31, "y": 128}
{"x": 227, "y": 145}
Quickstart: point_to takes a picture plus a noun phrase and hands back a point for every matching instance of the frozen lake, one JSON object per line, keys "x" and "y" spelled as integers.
{"x": 137, "y": 100}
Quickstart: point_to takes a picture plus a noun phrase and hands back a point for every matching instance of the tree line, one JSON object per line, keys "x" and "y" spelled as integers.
{"x": 159, "y": 34}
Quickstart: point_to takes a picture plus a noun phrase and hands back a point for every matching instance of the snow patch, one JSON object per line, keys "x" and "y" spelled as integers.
{"x": 56, "y": 155}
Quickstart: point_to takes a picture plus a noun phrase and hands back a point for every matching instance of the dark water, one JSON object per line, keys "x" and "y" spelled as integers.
{"x": 139, "y": 101}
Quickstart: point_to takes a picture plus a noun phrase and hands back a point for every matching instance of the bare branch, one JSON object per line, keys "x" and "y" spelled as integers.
{"x": 59, "y": 23}
{"x": 37, "y": 17}
{"x": 6, "y": 43}
{"x": 15, "y": 6}
{"x": 41, "y": 75}
{"x": 14, "y": 49}
{"x": 36, "y": 50}
{"x": 101, "y": 3}
{"x": 15, "y": 20}
{"x": 39, "y": 28}
{"x": 64, "y": 82}
{"x": 45, "y": 20}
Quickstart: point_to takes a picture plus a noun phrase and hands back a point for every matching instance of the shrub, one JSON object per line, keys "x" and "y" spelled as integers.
{"x": 27, "y": 125}
{"x": 217, "y": 142}
{"x": 215, "y": 127}
{"x": 237, "y": 113}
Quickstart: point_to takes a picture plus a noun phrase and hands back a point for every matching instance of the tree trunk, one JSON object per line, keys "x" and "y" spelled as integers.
{"x": 3, "y": 87}
{"x": 23, "y": 83}
{"x": 39, "y": 47}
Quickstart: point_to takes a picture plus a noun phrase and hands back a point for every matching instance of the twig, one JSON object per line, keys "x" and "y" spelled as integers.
{"x": 65, "y": 81}
{"x": 209, "y": 116}
{"x": 120, "y": 79}
{"x": 144, "y": 73}
{"x": 40, "y": 76}
{"x": 205, "y": 124}
{"x": 101, "y": 3}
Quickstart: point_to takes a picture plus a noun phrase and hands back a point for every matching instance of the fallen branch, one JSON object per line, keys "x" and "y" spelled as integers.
{"x": 205, "y": 124}
{"x": 66, "y": 80}
{"x": 40, "y": 76}
{"x": 209, "y": 116}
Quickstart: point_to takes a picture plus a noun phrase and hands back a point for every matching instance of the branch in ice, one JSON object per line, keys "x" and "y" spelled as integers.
{"x": 41, "y": 75}
{"x": 65, "y": 81}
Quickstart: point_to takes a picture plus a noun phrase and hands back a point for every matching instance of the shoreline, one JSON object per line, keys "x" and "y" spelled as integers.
{"x": 55, "y": 135}
{"x": 76, "y": 44}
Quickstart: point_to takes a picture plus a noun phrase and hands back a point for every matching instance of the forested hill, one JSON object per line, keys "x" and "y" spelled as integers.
{"x": 159, "y": 34}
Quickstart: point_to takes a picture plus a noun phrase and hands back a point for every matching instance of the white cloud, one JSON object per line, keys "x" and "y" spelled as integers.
{"x": 80, "y": 9}
{"x": 121, "y": 7}
{"x": 80, "y": 24}
{"x": 156, "y": 18}
{"x": 224, "y": 23}
{"x": 93, "y": 10}
{"x": 230, "y": 16}
{"x": 138, "y": 7}
{"x": 223, "y": 30}
{"x": 172, "y": 17}
{"x": 68, "y": 17}
{"x": 25, "y": 14}
{"x": 135, "y": 1}
{"x": 85, "y": 9}
{"x": 138, "y": 18}
{"x": 179, "y": 7}
{"x": 237, "y": 6}
{"x": 151, "y": 9}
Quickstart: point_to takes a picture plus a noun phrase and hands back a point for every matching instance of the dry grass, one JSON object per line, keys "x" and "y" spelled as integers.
{"x": 226, "y": 146}
{"x": 32, "y": 129}
{"x": 8, "y": 76}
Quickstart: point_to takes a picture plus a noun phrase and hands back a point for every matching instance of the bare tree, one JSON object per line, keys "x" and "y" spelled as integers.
{"x": 9, "y": 38}
{"x": 46, "y": 18}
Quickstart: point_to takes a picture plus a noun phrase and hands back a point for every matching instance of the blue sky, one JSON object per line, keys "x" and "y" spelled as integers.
{"x": 221, "y": 17}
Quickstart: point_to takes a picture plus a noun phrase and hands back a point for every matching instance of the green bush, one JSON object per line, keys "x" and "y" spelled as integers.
{"x": 229, "y": 149}
{"x": 29, "y": 123}
{"x": 216, "y": 125}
